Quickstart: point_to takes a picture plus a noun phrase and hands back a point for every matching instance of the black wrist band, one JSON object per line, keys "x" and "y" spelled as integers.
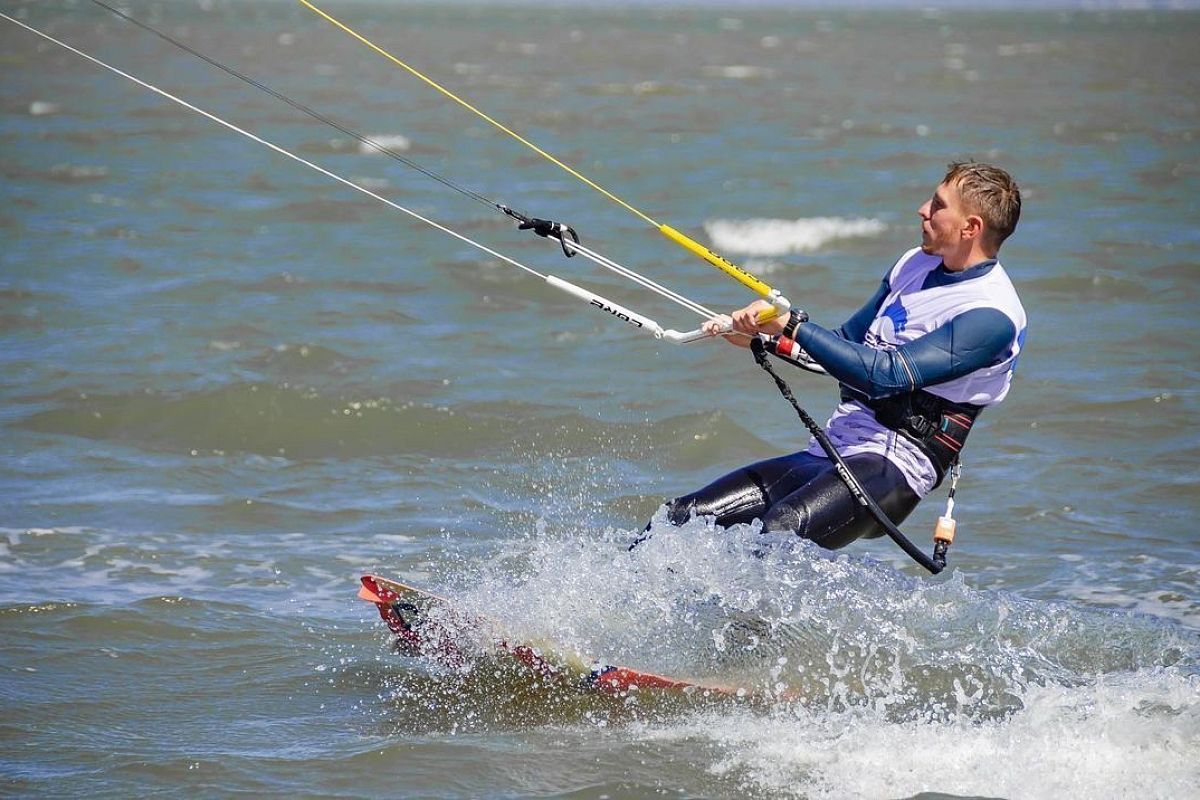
{"x": 795, "y": 317}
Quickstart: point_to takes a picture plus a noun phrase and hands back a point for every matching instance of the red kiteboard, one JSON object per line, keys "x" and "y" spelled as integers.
{"x": 433, "y": 627}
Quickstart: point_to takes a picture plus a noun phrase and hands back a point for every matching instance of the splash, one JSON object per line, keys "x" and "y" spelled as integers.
{"x": 869, "y": 682}
{"x": 774, "y": 613}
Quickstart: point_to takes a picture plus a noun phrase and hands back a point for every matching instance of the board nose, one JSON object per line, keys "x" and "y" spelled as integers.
{"x": 367, "y": 592}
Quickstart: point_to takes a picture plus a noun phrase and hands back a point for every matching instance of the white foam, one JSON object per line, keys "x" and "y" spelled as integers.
{"x": 79, "y": 171}
{"x": 1124, "y": 735}
{"x": 391, "y": 141}
{"x": 14, "y": 534}
{"x": 740, "y": 72}
{"x": 773, "y": 237}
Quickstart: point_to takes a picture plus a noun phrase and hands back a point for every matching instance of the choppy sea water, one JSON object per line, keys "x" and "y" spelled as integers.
{"x": 232, "y": 385}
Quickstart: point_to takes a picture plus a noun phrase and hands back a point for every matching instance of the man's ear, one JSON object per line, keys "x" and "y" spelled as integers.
{"x": 972, "y": 227}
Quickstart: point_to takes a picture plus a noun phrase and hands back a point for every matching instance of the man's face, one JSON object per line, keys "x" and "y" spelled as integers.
{"x": 943, "y": 221}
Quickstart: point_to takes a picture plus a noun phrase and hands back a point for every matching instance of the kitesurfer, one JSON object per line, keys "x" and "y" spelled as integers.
{"x": 936, "y": 344}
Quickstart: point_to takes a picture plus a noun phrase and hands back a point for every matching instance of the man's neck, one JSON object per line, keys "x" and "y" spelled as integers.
{"x": 957, "y": 262}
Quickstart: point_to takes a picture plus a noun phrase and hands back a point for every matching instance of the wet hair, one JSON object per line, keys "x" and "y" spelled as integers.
{"x": 991, "y": 193}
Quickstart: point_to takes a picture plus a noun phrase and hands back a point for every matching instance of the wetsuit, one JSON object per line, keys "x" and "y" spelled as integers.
{"x": 916, "y": 365}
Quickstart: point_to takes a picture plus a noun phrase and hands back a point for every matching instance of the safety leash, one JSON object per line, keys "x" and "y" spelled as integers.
{"x": 935, "y": 564}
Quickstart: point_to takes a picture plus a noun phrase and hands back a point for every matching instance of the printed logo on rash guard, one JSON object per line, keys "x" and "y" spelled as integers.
{"x": 898, "y": 314}
{"x": 883, "y": 331}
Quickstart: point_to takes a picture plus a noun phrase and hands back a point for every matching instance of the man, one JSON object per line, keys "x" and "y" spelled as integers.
{"x": 936, "y": 344}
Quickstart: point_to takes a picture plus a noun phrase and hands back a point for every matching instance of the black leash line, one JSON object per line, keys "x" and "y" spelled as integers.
{"x": 934, "y": 565}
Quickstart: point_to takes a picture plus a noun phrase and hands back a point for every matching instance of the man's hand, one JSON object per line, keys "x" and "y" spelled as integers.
{"x": 745, "y": 320}
{"x": 742, "y": 326}
{"x": 718, "y": 325}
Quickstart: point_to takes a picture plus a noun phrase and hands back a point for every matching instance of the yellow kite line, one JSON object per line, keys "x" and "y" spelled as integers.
{"x": 776, "y": 299}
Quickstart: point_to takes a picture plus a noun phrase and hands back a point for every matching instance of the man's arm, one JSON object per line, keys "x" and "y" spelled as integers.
{"x": 972, "y": 340}
{"x": 746, "y": 319}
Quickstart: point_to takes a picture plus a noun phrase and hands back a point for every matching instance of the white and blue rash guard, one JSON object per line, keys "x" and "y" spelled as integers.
{"x": 956, "y": 335}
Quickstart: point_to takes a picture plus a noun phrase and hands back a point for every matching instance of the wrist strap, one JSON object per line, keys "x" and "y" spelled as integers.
{"x": 795, "y": 317}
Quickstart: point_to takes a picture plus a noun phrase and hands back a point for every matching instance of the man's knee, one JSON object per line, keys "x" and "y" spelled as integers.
{"x": 831, "y": 526}
{"x": 680, "y": 510}
{"x": 677, "y": 513}
{"x": 786, "y": 518}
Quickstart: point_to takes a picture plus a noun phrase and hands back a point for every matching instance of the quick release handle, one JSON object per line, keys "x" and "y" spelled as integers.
{"x": 786, "y": 349}
{"x": 783, "y": 348}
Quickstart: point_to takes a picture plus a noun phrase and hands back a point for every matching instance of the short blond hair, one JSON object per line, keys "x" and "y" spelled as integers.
{"x": 991, "y": 193}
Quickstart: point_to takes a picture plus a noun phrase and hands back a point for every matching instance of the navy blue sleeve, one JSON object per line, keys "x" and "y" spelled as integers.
{"x": 972, "y": 340}
{"x": 855, "y": 328}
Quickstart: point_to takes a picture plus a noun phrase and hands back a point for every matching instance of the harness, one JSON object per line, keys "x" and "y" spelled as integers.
{"x": 937, "y": 426}
{"x": 941, "y": 544}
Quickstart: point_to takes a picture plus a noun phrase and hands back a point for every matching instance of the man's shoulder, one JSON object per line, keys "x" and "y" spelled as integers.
{"x": 999, "y": 275}
{"x": 996, "y": 290}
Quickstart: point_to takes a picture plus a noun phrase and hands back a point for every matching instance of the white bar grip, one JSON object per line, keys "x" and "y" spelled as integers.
{"x": 615, "y": 309}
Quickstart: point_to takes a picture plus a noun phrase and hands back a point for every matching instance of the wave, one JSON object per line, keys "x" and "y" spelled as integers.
{"x": 616, "y": 88}
{"x": 1099, "y": 286}
{"x": 740, "y": 72}
{"x": 323, "y": 211}
{"x": 773, "y": 237}
{"x": 307, "y": 423}
{"x": 394, "y": 142}
{"x": 41, "y": 108}
{"x": 77, "y": 173}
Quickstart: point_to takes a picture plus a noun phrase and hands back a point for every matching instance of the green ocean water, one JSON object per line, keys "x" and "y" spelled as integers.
{"x": 231, "y": 385}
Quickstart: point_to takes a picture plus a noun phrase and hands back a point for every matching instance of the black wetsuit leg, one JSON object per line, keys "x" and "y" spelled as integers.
{"x": 825, "y": 511}
{"x": 803, "y": 494}
{"x": 747, "y": 493}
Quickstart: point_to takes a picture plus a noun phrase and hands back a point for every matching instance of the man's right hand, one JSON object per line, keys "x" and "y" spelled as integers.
{"x": 743, "y": 325}
{"x": 745, "y": 320}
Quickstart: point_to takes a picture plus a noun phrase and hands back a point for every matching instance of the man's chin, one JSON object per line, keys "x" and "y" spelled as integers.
{"x": 927, "y": 249}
